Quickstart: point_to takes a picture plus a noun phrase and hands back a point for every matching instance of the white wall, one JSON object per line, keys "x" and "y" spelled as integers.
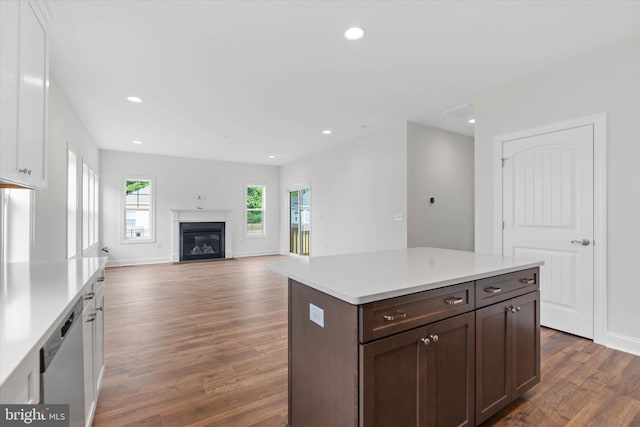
{"x": 178, "y": 181}
{"x": 604, "y": 81}
{"x": 50, "y": 223}
{"x": 356, "y": 190}
{"x": 439, "y": 165}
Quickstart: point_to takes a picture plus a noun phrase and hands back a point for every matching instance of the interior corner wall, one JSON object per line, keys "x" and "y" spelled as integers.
{"x": 50, "y": 206}
{"x": 178, "y": 182}
{"x": 439, "y": 165}
{"x": 607, "y": 80}
{"x": 357, "y": 190}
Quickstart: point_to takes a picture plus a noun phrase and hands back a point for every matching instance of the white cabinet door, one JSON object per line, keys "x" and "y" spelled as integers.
{"x": 24, "y": 87}
{"x": 10, "y": 48}
{"x": 88, "y": 317}
{"x": 23, "y": 386}
{"x": 98, "y": 358}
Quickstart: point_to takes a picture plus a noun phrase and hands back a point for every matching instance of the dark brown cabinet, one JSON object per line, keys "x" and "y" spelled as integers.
{"x": 423, "y": 377}
{"x": 507, "y": 352}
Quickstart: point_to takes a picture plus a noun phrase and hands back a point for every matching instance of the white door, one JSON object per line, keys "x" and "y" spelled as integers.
{"x": 547, "y": 209}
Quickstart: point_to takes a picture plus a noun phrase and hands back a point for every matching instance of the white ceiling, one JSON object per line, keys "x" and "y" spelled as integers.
{"x": 242, "y": 80}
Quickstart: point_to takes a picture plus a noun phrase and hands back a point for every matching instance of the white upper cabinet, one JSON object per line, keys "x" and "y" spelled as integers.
{"x": 24, "y": 82}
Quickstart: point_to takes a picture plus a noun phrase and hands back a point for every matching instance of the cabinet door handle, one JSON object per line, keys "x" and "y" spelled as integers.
{"x": 527, "y": 281}
{"x": 434, "y": 338}
{"x": 100, "y": 279}
{"x": 492, "y": 290}
{"x": 397, "y": 315}
{"x": 25, "y": 171}
{"x": 90, "y": 318}
{"x": 454, "y": 300}
{"x": 425, "y": 341}
{"x": 89, "y": 296}
{"x": 513, "y": 309}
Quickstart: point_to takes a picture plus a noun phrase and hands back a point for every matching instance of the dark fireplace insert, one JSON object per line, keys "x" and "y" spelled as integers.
{"x": 201, "y": 240}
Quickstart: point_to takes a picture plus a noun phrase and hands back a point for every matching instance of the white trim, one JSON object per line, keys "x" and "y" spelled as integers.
{"x": 138, "y": 261}
{"x": 599, "y": 122}
{"x": 246, "y": 254}
{"x": 623, "y": 343}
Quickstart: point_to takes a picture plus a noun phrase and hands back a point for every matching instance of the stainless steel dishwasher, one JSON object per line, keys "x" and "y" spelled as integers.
{"x": 62, "y": 368}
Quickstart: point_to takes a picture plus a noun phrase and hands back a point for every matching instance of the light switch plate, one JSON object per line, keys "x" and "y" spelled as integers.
{"x": 316, "y": 314}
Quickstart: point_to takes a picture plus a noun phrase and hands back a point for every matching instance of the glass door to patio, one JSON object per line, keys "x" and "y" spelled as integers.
{"x": 299, "y": 221}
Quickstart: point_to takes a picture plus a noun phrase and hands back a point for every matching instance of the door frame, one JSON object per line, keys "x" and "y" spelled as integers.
{"x": 599, "y": 122}
{"x": 287, "y": 209}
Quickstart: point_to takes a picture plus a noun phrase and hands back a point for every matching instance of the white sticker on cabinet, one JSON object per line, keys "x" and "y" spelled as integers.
{"x": 316, "y": 314}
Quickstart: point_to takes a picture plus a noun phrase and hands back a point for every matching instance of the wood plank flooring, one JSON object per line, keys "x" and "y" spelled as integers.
{"x": 205, "y": 344}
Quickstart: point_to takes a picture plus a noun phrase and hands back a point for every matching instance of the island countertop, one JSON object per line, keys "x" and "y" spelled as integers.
{"x": 33, "y": 299}
{"x": 361, "y": 278}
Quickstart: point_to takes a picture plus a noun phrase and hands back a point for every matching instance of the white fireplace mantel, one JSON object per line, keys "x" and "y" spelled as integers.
{"x": 199, "y": 215}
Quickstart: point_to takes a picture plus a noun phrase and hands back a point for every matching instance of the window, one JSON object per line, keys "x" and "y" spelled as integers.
{"x": 255, "y": 198}
{"x": 16, "y": 214}
{"x": 72, "y": 202}
{"x": 138, "y": 210}
{"x": 89, "y": 207}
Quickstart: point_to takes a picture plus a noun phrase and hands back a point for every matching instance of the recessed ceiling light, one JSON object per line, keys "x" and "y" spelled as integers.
{"x": 354, "y": 33}
{"x": 272, "y": 157}
{"x": 326, "y": 132}
{"x": 472, "y": 121}
{"x": 134, "y": 99}
{"x": 137, "y": 142}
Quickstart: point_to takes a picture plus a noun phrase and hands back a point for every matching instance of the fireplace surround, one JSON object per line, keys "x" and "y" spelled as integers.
{"x": 191, "y": 216}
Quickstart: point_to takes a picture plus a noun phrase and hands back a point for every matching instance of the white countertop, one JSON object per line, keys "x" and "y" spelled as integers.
{"x": 372, "y": 276}
{"x": 33, "y": 299}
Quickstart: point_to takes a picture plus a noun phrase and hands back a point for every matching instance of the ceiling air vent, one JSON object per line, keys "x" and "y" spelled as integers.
{"x": 461, "y": 111}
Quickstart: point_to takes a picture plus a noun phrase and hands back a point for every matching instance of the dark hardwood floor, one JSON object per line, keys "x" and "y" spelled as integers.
{"x": 205, "y": 344}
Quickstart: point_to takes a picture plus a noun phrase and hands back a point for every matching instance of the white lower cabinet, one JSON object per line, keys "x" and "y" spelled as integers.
{"x": 93, "y": 335}
{"x": 88, "y": 334}
{"x": 23, "y": 386}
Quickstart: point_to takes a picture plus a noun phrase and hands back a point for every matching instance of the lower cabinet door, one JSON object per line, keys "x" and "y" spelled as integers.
{"x": 390, "y": 380}
{"x": 492, "y": 360}
{"x": 508, "y": 352}
{"x": 423, "y": 377}
{"x": 450, "y": 373}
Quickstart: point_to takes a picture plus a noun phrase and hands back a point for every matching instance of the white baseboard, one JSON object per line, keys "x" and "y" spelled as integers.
{"x": 143, "y": 261}
{"x": 623, "y": 343}
{"x": 139, "y": 261}
{"x": 237, "y": 254}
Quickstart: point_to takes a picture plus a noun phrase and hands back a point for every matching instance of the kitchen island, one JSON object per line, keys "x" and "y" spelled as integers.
{"x": 420, "y": 336}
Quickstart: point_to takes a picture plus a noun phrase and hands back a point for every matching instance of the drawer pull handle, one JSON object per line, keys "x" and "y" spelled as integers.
{"x": 89, "y": 296}
{"x": 429, "y": 339}
{"x": 397, "y": 315}
{"x": 493, "y": 290}
{"x": 527, "y": 281}
{"x": 454, "y": 300}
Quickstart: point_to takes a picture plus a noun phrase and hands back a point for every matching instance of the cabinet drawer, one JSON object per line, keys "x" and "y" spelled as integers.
{"x": 390, "y": 316}
{"x": 499, "y": 288}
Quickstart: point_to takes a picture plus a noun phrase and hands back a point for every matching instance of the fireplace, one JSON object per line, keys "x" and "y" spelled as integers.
{"x": 202, "y": 240}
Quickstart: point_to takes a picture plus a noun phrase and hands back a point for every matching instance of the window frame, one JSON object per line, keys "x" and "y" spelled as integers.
{"x": 263, "y": 210}
{"x": 90, "y": 216}
{"x": 72, "y": 203}
{"x": 123, "y": 210}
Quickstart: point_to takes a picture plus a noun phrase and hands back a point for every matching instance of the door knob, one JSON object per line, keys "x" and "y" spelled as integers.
{"x": 583, "y": 242}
